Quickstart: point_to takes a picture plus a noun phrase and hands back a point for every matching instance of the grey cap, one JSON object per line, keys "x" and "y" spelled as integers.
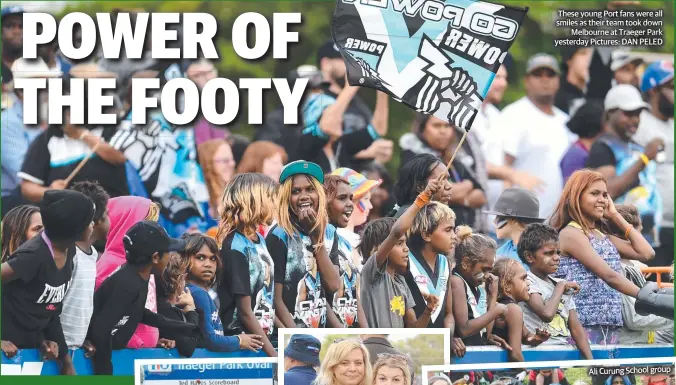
{"x": 621, "y": 58}
{"x": 517, "y": 203}
{"x": 542, "y": 60}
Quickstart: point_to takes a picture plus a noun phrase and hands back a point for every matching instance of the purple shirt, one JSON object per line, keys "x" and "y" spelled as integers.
{"x": 206, "y": 131}
{"x": 573, "y": 160}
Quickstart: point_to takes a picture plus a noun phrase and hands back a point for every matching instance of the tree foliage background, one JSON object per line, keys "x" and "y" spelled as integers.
{"x": 536, "y": 35}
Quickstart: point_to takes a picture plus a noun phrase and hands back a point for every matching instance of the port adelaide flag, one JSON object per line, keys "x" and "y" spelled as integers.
{"x": 438, "y": 57}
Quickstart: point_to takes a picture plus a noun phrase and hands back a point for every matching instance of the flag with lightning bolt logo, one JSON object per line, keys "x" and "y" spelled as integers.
{"x": 436, "y": 56}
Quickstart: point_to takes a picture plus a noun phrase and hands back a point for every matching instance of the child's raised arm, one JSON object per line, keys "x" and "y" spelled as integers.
{"x": 404, "y": 222}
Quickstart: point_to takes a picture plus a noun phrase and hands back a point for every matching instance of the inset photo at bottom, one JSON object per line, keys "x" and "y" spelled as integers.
{"x": 360, "y": 356}
{"x": 630, "y": 371}
{"x": 206, "y": 371}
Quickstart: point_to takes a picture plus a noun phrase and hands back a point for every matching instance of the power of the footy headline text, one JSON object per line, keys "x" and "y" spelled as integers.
{"x": 198, "y": 33}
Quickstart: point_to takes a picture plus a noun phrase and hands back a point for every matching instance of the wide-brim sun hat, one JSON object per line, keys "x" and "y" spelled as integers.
{"x": 517, "y": 203}
{"x": 302, "y": 167}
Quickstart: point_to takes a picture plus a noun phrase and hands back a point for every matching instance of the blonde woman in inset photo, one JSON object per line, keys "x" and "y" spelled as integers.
{"x": 391, "y": 369}
{"x": 346, "y": 363}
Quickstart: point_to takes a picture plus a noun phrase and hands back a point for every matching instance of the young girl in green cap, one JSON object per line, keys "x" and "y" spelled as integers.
{"x": 303, "y": 249}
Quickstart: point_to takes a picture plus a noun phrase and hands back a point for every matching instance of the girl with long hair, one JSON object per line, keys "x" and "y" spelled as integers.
{"x": 433, "y": 136}
{"x": 204, "y": 269}
{"x": 346, "y": 363}
{"x": 303, "y": 247}
{"x": 263, "y": 157}
{"x": 391, "y": 369}
{"x": 19, "y": 225}
{"x": 175, "y": 302}
{"x": 512, "y": 290}
{"x": 591, "y": 257}
{"x": 218, "y": 167}
{"x": 413, "y": 178}
{"x": 247, "y": 287}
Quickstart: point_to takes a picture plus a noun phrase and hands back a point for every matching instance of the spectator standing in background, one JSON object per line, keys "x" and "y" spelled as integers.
{"x": 56, "y": 153}
{"x": 657, "y": 122}
{"x": 535, "y": 133}
{"x": 489, "y": 135}
{"x": 200, "y": 73}
{"x": 16, "y": 136}
{"x": 12, "y": 34}
{"x": 55, "y": 61}
{"x": 587, "y": 124}
{"x": 273, "y": 128}
{"x": 624, "y": 66}
{"x": 340, "y": 129}
{"x": 301, "y": 358}
{"x": 628, "y": 167}
{"x": 575, "y": 71}
{"x": 8, "y": 97}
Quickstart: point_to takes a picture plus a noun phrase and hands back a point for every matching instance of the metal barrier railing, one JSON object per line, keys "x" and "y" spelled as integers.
{"x": 659, "y": 271}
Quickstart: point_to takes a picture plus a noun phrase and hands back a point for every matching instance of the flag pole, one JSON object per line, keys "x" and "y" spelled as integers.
{"x": 450, "y": 162}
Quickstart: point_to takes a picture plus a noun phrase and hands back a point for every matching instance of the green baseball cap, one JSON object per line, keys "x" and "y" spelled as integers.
{"x": 302, "y": 167}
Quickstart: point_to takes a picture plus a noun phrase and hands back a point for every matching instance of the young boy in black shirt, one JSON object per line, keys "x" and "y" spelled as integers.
{"x": 119, "y": 303}
{"x": 37, "y": 276}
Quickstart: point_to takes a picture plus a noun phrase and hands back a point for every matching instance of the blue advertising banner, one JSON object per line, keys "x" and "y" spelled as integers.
{"x": 438, "y": 57}
{"x": 28, "y": 362}
{"x": 197, "y": 373}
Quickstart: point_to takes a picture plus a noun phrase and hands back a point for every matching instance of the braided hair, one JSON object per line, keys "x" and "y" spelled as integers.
{"x": 15, "y": 227}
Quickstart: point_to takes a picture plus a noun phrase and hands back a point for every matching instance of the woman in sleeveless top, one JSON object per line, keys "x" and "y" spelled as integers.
{"x": 591, "y": 257}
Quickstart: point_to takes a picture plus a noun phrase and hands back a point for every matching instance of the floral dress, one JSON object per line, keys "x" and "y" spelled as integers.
{"x": 599, "y": 307}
